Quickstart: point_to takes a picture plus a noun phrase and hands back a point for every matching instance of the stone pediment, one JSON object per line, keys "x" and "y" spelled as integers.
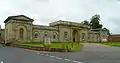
{"x": 18, "y": 17}
{"x": 22, "y": 17}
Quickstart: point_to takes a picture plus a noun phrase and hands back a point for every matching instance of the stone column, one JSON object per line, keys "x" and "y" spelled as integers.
{"x": 78, "y": 36}
{"x": 71, "y": 35}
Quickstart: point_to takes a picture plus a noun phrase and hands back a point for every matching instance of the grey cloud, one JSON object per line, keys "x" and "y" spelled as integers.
{"x": 45, "y": 11}
{"x": 115, "y": 24}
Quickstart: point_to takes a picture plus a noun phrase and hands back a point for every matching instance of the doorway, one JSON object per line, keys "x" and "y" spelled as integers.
{"x": 75, "y": 35}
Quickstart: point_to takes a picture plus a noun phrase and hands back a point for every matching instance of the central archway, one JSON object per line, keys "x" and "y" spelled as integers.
{"x": 75, "y": 36}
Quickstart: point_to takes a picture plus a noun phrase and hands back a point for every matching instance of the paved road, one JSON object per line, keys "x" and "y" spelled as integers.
{"x": 17, "y": 55}
{"x": 94, "y": 53}
{"x": 91, "y": 53}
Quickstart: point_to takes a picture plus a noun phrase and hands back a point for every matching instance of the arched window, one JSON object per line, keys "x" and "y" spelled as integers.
{"x": 83, "y": 36}
{"x": 54, "y": 35}
{"x": 36, "y": 35}
{"x": 45, "y": 35}
{"x": 21, "y": 32}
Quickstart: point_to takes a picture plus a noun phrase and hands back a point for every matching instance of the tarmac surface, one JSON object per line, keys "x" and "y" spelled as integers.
{"x": 90, "y": 53}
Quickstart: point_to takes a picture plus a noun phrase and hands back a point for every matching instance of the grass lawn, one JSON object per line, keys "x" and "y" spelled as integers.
{"x": 117, "y": 44}
{"x": 72, "y": 46}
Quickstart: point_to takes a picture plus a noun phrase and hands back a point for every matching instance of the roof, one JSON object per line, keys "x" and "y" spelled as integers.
{"x": 61, "y": 22}
{"x": 11, "y": 17}
{"x": 115, "y": 35}
{"x": 44, "y": 27}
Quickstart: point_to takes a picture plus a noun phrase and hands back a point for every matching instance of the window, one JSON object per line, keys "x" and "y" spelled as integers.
{"x": 83, "y": 36}
{"x": 45, "y": 35}
{"x": 21, "y": 32}
{"x": 54, "y": 36}
{"x": 65, "y": 34}
{"x": 36, "y": 35}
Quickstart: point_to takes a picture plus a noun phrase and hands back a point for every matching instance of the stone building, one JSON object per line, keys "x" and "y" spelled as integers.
{"x": 21, "y": 28}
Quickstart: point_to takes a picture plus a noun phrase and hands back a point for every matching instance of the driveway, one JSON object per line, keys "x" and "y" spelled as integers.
{"x": 17, "y": 55}
{"x": 91, "y": 53}
{"x": 94, "y": 53}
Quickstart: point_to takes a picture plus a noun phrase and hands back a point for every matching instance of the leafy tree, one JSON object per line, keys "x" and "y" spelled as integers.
{"x": 94, "y": 23}
{"x": 108, "y": 31}
{"x": 86, "y": 22}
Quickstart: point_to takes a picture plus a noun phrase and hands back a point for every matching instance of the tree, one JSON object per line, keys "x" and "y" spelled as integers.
{"x": 86, "y": 22}
{"x": 94, "y": 23}
{"x": 108, "y": 31}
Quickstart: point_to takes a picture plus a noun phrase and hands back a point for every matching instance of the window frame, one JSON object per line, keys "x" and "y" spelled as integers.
{"x": 65, "y": 34}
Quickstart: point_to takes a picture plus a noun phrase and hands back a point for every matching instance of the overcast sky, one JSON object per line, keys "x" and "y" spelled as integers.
{"x": 46, "y": 11}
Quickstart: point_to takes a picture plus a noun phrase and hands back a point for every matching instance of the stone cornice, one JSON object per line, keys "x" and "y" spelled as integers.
{"x": 67, "y": 23}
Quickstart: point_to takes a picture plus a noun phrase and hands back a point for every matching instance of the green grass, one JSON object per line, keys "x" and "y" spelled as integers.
{"x": 117, "y": 44}
{"x": 62, "y": 45}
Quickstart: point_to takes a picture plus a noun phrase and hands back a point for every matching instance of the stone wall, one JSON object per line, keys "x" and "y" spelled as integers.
{"x": 13, "y": 27}
{"x": 103, "y": 36}
{"x": 74, "y": 34}
{"x": 39, "y": 35}
{"x": 8, "y": 31}
{"x": 60, "y": 31}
